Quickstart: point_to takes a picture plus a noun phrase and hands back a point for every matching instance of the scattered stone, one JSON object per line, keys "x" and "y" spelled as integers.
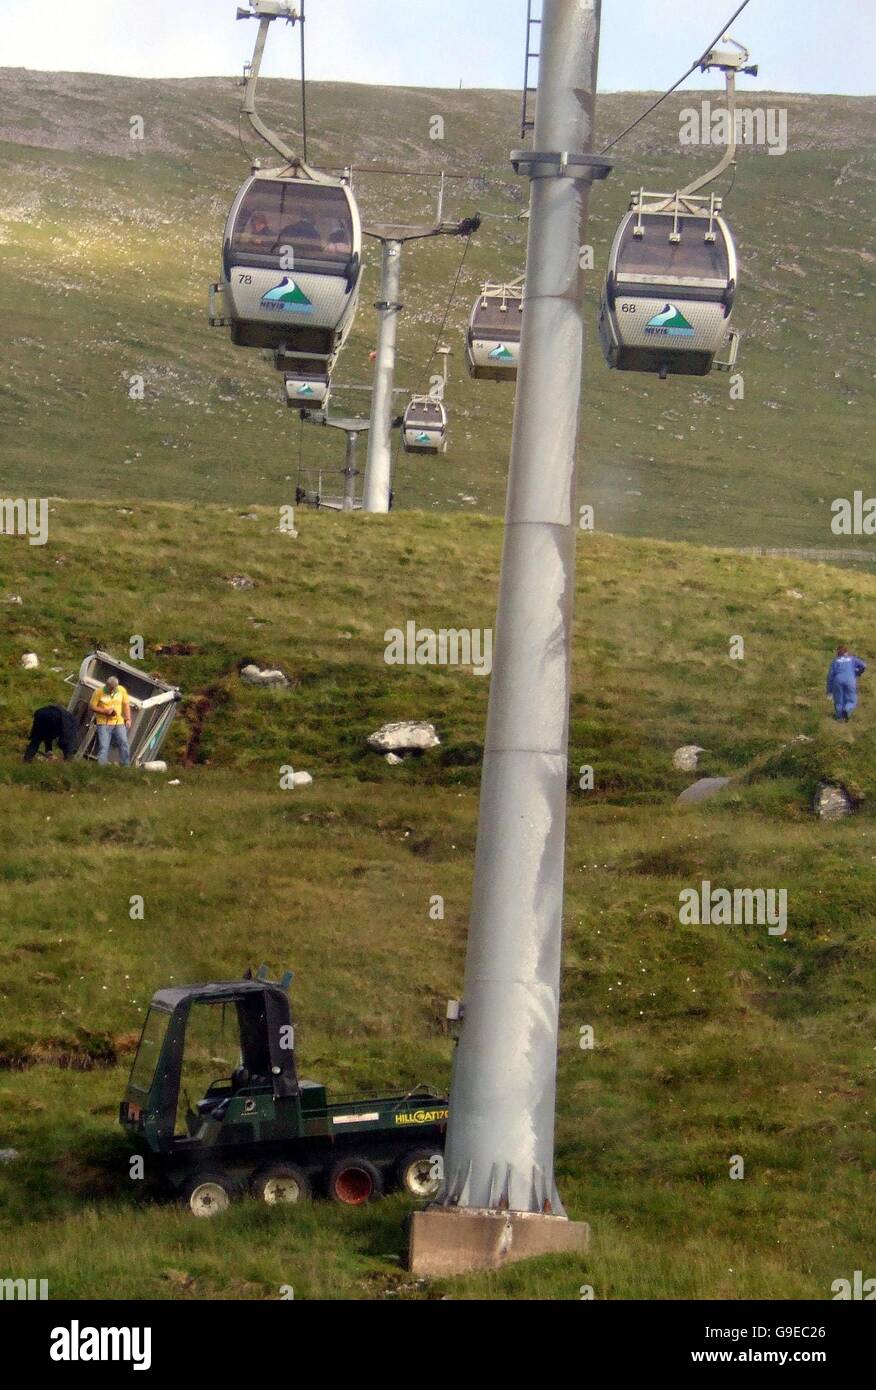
{"x": 685, "y": 758}
{"x": 15, "y": 598}
{"x": 832, "y": 802}
{"x": 30, "y": 661}
{"x": 175, "y": 783}
{"x": 704, "y": 788}
{"x": 801, "y": 738}
{"x": 157, "y": 766}
{"x": 406, "y": 735}
{"x": 249, "y": 516}
{"x": 301, "y": 779}
{"x": 794, "y": 593}
{"x": 239, "y": 581}
{"x": 393, "y": 759}
{"x": 254, "y": 675}
{"x": 9, "y": 1155}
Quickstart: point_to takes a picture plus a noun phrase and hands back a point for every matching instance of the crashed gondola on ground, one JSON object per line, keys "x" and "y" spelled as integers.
{"x": 153, "y": 702}
{"x": 424, "y": 427}
{"x": 291, "y": 270}
{"x": 670, "y": 288}
{"x": 492, "y": 349}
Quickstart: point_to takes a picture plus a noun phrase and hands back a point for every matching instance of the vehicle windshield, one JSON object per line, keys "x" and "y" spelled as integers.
{"x": 313, "y": 219}
{"x": 149, "y": 1051}
{"x": 654, "y": 254}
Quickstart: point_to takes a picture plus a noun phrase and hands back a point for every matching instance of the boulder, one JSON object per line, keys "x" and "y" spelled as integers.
{"x": 254, "y": 675}
{"x": 157, "y": 766}
{"x": 684, "y": 759}
{"x": 704, "y": 788}
{"x": 30, "y": 661}
{"x": 406, "y": 736}
{"x": 393, "y": 759}
{"x": 301, "y": 779}
{"x": 832, "y": 802}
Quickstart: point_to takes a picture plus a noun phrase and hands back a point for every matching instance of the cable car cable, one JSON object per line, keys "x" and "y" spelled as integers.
{"x": 300, "y": 456}
{"x": 692, "y": 69}
{"x": 303, "y": 88}
{"x": 449, "y": 305}
{"x": 438, "y": 337}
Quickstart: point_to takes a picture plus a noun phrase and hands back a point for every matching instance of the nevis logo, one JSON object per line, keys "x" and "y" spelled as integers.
{"x": 670, "y": 323}
{"x": 501, "y": 354}
{"x": 304, "y": 390}
{"x": 287, "y": 295}
{"x": 422, "y": 437}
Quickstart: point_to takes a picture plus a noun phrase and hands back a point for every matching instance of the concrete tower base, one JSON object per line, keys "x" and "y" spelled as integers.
{"x": 456, "y": 1240}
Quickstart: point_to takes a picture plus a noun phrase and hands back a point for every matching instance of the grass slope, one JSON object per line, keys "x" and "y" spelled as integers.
{"x": 710, "y": 1041}
{"x": 109, "y": 246}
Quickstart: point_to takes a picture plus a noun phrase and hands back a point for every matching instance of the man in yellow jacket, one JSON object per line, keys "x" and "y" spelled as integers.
{"x": 112, "y": 710}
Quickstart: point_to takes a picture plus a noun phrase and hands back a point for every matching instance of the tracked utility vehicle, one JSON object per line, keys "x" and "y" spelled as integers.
{"x": 261, "y": 1127}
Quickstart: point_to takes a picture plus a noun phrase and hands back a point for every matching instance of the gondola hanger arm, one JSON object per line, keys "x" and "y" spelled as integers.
{"x": 729, "y": 61}
{"x": 266, "y": 11}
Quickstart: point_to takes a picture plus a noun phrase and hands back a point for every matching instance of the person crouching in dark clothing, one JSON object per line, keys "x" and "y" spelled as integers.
{"x": 52, "y": 724}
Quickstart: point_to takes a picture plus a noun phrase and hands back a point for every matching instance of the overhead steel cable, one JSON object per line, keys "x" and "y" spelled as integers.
{"x": 674, "y": 88}
{"x": 440, "y": 334}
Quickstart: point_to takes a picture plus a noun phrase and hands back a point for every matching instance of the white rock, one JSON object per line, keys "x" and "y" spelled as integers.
{"x": 832, "y": 803}
{"x": 393, "y": 759}
{"x": 254, "y": 675}
{"x": 407, "y": 734}
{"x": 157, "y": 766}
{"x": 30, "y": 661}
{"x": 8, "y": 1155}
{"x": 301, "y": 779}
{"x": 15, "y": 598}
{"x": 685, "y": 758}
{"x": 175, "y": 783}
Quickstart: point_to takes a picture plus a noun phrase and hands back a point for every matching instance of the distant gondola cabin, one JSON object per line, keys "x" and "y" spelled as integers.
{"x": 424, "y": 427}
{"x": 291, "y": 269}
{"x": 669, "y": 293}
{"x": 493, "y": 338}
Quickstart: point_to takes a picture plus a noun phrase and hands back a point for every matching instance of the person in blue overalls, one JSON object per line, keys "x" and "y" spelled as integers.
{"x": 842, "y": 681}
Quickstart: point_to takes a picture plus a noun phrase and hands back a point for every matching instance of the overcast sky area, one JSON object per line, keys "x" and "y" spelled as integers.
{"x": 801, "y": 45}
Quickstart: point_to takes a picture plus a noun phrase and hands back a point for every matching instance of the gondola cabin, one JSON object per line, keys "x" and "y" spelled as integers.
{"x": 153, "y": 702}
{"x": 493, "y": 339}
{"x": 424, "y": 427}
{"x": 291, "y": 268}
{"x": 669, "y": 291}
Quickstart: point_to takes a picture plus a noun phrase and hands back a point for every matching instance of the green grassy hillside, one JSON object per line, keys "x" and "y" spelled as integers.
{"x": 108, "y": 247}
{"x": 710, "y": 1041}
